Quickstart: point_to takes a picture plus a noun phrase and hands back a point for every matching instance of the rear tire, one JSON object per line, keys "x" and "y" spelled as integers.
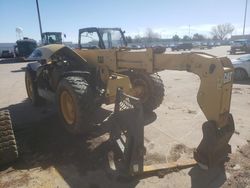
{"x": 154, "y": 89}
{"x": 31, "y": 88}
{"x": 240, "y": 74}
{"x": 76, "y": 88}
{"x": 8, "y": 148}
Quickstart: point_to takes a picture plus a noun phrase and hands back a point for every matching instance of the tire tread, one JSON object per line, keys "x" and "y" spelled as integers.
{"x": 8, "y": 148}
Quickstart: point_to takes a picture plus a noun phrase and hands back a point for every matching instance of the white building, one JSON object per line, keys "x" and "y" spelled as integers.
{"x": 7, "y": 46}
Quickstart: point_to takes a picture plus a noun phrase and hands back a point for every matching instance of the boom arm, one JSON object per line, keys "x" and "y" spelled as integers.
{"x": 214, "y": 94}
{"x": 215, "y": 74}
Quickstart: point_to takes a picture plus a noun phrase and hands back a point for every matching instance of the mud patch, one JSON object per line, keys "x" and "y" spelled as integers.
{"x": 179, "y": 151}
{"x": 238, "y": 168}
{"x": 154, "y": 158}
{"x": 189, "y": 111}
{"x": 21, "y": 180}
{"x": 173, "y": 107}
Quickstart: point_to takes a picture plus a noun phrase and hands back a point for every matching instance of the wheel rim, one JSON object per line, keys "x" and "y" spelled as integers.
{"x": 67, "y": 107}
{"x": 29, "y": 87}
{"x": 239, "y": 74}
{"x": 140, "y": 89}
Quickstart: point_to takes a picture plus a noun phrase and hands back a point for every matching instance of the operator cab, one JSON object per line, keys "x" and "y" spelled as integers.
{"x": 51, "y": 38}
{"x": 101, "y": 38}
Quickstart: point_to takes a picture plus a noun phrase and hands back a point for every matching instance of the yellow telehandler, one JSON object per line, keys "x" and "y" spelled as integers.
{"x": 80, "y": 80}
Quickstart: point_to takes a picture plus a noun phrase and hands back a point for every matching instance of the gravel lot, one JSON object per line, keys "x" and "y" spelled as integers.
{"x": 52, "y": 158}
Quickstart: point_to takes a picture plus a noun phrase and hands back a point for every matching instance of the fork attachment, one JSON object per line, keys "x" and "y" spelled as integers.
{"x": 213, "y": 149}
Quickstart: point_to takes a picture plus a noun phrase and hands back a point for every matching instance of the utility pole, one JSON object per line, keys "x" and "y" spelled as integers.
{"x": 245, "y": 17}
{"x": 189, "y": 30}
{"x": 39, "y": 18}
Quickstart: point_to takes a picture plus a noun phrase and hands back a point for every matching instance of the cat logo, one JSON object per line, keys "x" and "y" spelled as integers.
{"x": 100, "y": 59}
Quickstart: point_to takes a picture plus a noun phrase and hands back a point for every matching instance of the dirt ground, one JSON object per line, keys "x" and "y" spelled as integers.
{"x": 50, "y": 157}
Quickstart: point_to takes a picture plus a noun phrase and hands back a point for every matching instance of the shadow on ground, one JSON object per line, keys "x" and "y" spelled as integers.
{"x": 243, "y": 82}
{"x": 19, "y": 70}
{"x": 80, "y": 160}
{"x": 214, "y": 177}
{"x": 12, "y": 60}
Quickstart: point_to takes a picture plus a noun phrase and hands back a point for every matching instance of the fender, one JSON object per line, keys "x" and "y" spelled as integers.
{"x": 32, "y": 68}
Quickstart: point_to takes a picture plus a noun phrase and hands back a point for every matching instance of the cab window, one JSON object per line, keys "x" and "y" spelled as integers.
{"x": 89, "y": 40}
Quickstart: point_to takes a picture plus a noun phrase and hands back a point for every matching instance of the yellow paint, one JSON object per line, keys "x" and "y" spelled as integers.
{"x": 214, "y": 96}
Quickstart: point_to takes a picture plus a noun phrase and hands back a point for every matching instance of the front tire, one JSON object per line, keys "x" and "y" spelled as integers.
{"x": 31, "y": 88}
{"x": 148, "y": 88}
{"x": 240, "y": 74}
{"x": 75, "y": 104}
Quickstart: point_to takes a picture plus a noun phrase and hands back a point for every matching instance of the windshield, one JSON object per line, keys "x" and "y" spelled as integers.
{"x": 245, "y": 58}
{"x": 112, "y": 38}
{"x": 239, "y": 42}
{"x": 36, "y": 54}
{"x": 90, "y": 40}
{"x": 52, "y": 38}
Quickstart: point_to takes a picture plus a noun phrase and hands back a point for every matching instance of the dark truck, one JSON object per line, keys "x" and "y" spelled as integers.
{"x": 182, "y": 46}
{"x": 7, "y": 54}
{"x": 241, "y": 45}
{"x": 24, "y": 47}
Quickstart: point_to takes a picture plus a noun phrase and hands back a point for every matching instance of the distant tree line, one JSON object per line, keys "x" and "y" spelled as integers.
{"x": 219, "y": 32}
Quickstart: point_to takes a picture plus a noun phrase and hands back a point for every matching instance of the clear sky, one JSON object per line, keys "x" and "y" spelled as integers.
{"x": 168, "y": 17}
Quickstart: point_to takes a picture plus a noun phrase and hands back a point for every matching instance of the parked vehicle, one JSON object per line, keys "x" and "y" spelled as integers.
{"x": 24, "y": 47}
{"x": 206, "y": 45}
{"x": 242, "y": 67}
{"x": 241, "y": 45}
{"x": 7, "y": 54}
{"x": 210, "y": 45}
{"x": 196, "y": 44}
{"x": 182, "y": 46}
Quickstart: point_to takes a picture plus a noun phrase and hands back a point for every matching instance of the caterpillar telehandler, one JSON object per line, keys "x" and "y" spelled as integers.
{"x": 79, "y": 81}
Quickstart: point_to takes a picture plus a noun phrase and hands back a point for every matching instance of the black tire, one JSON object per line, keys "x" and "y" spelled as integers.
{"x": 8, "y": 148}
{"x": 83, "y": 100}
{"x": 240, "y": 74}
{"x": 33, "y": 96}
{"x": 155, "y": 89}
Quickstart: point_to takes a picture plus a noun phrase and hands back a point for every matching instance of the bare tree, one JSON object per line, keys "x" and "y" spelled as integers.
{"x": 222, "y": 30}
{"x": 198, "y": 37}
{"x": 137, "y": 38}
{"x": 186, "y": 38}
{"x": 176, "y": 38}
{"x": 129, "y": 39}
{"x": 150, "y": 35}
